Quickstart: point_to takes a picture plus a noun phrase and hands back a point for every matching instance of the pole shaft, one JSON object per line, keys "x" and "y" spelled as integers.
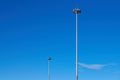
{"x": 76, "y": 46}
{"x": 48, "y": 69}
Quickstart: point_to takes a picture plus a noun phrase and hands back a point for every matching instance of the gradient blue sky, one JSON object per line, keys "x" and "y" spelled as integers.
{"x": 32, "y": 30}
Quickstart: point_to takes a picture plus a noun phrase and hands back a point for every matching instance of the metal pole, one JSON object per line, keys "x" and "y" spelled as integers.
{"x": 76, "y": 46}
{"x": 76, "y": 11}
{"x": 49, "y": 68}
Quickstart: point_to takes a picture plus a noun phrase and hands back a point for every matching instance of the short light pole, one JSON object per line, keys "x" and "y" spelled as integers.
{"x": 76, "y": 11}
{"x": 49, "y": 59}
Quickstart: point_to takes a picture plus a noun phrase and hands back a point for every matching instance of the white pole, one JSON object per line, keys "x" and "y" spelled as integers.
{"x": 76, "y": 11}
{"x": 49, "y": 68}
{"x": 76, "y": 46}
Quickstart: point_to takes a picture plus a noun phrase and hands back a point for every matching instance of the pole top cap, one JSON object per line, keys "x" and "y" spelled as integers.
{"x": 77, "y": 10}
{"x": 49, "y": 58}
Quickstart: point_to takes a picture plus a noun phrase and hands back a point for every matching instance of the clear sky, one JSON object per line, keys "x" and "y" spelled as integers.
{"x": 32, "y": 30}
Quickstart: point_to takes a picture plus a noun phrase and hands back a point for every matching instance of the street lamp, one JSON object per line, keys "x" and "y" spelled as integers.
{"x": 76, "y": 11}
{"x": 49, "y": 59}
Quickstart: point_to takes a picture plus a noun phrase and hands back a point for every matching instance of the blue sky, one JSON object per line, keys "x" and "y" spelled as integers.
{"x": 32, "y": 30}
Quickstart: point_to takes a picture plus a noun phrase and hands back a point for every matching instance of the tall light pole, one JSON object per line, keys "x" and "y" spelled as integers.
{"x": 49, "y": 59}
{"x": 76, "y": 11}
